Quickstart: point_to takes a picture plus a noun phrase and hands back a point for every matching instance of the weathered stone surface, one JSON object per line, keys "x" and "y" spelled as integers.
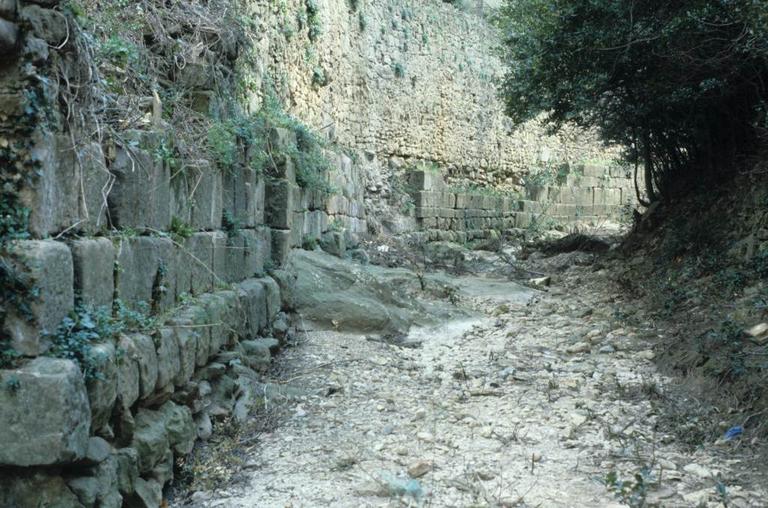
{"x": 128, "y": 377}
{"x": 163, "y": 470}
{"x": 141, "y": 196}
{"x": 127, "y": 469}
{"x": 205, "y": 197}
{"x": 241, "y": 191}
{"x": 99, "y": 488}
{"x": 8, "y": 9}
{"x": 45, "y": 24}
{"x": 49, "y": 264}
{"x": 180, "y": 427}
{"x": 36, "y": 490}
{"x": 186, "y": 339}
{"x": 273, "y": 297}
{"x": 9, "y": 36}
{"x": 193, "y": 318}
{"x": 195, "y": 264}
{"x": 150, "y": 439}
{"x": 146, "y": 272}
{"x": 46, "y": 418}
{"x": 168, "y": 357}
{"x": 279, "y": 204}
{"x": 94, "y": 266}
{"x": 147, "y": 494}
{"x": 253, "y": 299}
{"x": 102, "y": 389}
{"x": 224, "y": 317}
{"x": 333, "y": 243}
{"x": 146, "y": 358}
{"x": 281, "y": 246}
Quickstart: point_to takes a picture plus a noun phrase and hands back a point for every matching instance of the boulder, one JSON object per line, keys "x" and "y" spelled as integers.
{"x": 180, "y": 427}
{"x": 253, "y": 299}
{"x": 45, "y": 417}
{"x": 150, "y": 439}
{"x": 9, "y": 37}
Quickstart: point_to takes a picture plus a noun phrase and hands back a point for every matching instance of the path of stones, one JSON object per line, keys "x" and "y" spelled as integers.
{"x": 531, "y": 404}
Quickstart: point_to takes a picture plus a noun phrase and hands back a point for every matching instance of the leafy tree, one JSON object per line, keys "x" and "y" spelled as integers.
{"x": 682, "y": 84}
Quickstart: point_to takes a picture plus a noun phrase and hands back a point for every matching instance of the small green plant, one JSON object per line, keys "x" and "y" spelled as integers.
{"x": 336, "y": 225}
{"x": 78, "y": 332}
{"x": 309, "y": 243}
{"x": 138, "y": 320}
{"x": 118, "y": 51}
{"x": 631, "y": 492}
{"x": 230, "y": 224}
{"x": 399, "y": 70}
{"x": 362, "y": 22}
{"x": 353, "y": 5}
{"x": 180, "y": 229}
{"x": 319, "y": 78}
{"x": 313, "y": 22}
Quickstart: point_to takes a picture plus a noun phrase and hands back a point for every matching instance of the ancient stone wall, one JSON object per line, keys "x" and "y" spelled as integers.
{"x": 415, "y": 80}
{"x": 585, "y": 197}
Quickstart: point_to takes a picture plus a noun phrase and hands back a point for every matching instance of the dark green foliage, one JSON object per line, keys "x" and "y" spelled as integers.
{"x": 78, "y": 332}
{"x": 180, "y": 230}
{"x": 683, "y": 85}
{"x": 399, "y": 70}
{"x": 18, "y": 170}
{"x": 313, "y": 21}
{"x": 230, "y": 224}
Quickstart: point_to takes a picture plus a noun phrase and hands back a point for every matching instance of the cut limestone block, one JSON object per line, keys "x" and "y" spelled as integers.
{"x": 279, "y": 204}
{"x": 46, "y": 417}
{"x": 94, "y": 267}
{"x": 49, "y": 266}
{"x": 141, "y": 196}
{"x": 146, "y": 272}
{"x": 240, "y": 191}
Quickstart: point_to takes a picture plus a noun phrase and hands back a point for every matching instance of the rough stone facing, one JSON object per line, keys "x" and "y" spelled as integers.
{"x": 45, "y": 417}
{"x": 49, "y": 265}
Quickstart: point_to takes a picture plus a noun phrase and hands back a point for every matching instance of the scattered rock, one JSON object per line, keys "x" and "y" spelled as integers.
{"x": 419, "y": 469}
{"x": 579, "y": 347}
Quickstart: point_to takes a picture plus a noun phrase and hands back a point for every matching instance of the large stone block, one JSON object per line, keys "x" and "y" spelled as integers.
{"x": 45, "y": 418}
{"x": 607, "y": 196}
{"x": 426, "y": 180}
{"x": 37, "y": 489}
{"x": 9, "y": 37}
{"x": 281, "y": 246}
{"x": 141, "y": 196}
{"x": 256, "y": 243}
{"x": 53, "y": 199}
{"x": 205, "y": 196}
{"x": 49, "y": 266}
{"x": 150, "y": 439}
{"x": 186, "y": 338}
{"x": 94, "y": 267}
{"x": 146, "y": 272}
{"x": 253, "y": 299}
{"x": 193, "y": 318}
{"x": 180, "y": 427}
{"x": 241, "y": 195}
{"x": 168, "y": 357}
{"x": 195, "y": 264}
{"x": 128, "y": 377}
{"x": 102, "y": 388}
{"x": 279, "y": 205}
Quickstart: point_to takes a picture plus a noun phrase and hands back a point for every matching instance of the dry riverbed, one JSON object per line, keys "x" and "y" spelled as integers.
{"x": 540, "y": 399}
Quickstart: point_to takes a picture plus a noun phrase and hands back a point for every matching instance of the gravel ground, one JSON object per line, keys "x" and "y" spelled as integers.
{"x": 539, "y": 400}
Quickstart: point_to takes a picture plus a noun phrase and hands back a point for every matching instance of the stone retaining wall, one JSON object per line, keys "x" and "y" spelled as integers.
{"x": 588, "y": 196}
